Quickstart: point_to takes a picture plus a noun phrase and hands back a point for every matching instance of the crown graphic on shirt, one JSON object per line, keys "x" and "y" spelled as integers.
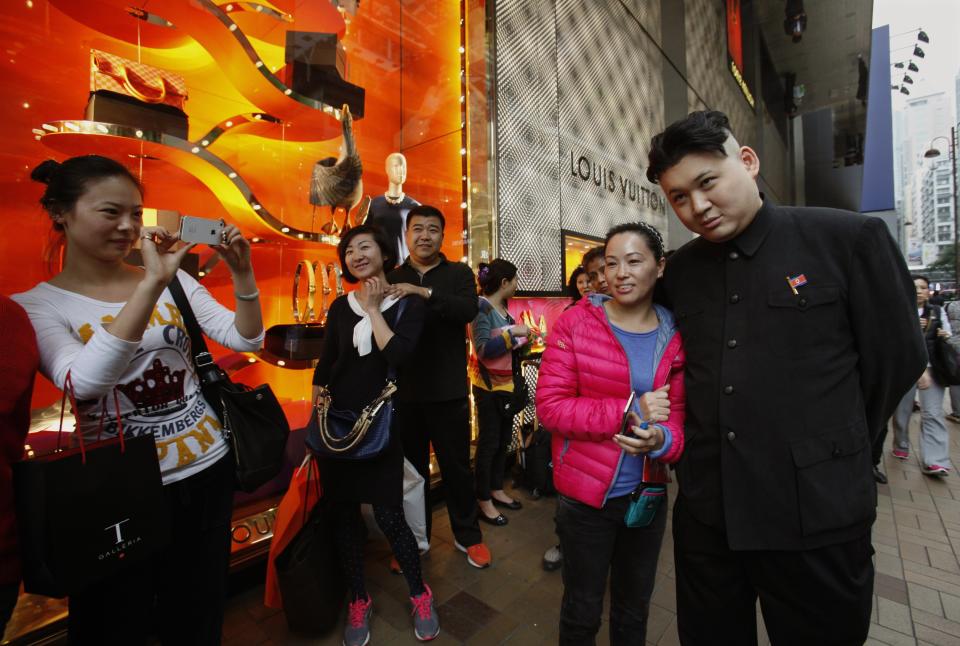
{"x": 158, "y": 385}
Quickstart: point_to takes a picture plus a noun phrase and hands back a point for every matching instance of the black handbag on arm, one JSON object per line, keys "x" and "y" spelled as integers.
{"x": 252, "y": 419}
{"x": 943, "y": 359}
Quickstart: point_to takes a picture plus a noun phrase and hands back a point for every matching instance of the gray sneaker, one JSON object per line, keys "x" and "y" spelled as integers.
{"x": 426, "y": 621}
{"x": 357, "y": 631}
{"x": 552, "y": 559}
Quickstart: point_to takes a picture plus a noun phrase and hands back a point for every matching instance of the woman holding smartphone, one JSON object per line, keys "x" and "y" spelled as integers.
{"x": 611, "y": 392}
{"x": 115, "y": 330}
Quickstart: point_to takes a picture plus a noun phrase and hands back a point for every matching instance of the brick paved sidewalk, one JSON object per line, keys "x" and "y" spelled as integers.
{"x": 917, "y": 592}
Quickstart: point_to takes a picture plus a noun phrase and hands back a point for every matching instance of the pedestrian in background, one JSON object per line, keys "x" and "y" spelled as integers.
{"x": 594, "y": 264}
{"x": 495, "y": 373}
{"x": 934, "y": 439}
{"x": 578, "y": 286}
{"x": 952, "y": 309}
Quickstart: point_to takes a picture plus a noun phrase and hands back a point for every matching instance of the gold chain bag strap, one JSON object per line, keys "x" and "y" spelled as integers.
{"x": 360, "y": 428}
{"x": 345, "y": 434}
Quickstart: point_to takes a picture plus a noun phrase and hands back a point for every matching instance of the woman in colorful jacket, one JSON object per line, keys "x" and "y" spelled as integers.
{"x": 493, "y": 372}
{"x": 598, "y": 353}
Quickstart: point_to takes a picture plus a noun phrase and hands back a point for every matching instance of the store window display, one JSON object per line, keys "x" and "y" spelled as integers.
{"x": 389, "y": 211}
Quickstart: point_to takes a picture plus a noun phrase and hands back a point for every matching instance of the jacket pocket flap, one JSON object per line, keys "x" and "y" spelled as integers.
{"x": 835, "y": 444}
{"x": 807, "y": 298}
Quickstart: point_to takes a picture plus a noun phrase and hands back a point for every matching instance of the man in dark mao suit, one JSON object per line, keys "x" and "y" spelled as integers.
{"x": 801, "y": 334}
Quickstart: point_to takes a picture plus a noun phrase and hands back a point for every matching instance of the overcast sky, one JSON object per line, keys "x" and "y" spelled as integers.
{"x": 941, "y": 20}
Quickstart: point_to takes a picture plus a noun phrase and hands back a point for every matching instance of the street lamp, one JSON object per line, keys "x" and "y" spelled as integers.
{"x": 929, "y": 154}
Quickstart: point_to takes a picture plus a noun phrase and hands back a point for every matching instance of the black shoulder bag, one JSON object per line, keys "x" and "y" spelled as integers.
{"x": 944, "y": 359}
{"x": 252, "y": 419}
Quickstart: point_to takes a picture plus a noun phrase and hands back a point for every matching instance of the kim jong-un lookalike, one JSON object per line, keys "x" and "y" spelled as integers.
{"x": 801, "y": 334}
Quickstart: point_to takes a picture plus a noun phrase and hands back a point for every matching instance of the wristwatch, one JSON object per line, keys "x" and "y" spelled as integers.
{"x": 429, "y": 293}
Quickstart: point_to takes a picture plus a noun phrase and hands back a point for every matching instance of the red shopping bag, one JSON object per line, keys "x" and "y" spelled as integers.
{"x": 302, "y": 496}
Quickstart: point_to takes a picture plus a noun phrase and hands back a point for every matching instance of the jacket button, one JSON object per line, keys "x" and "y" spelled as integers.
{"x": 735, "y": 299}
{"x": 732, "y": 343}
{"x": 731, "y": 436}
{"x": 728, "y": 390}
{"x": 734, "y": 255}
{"x": 803, "y": 302}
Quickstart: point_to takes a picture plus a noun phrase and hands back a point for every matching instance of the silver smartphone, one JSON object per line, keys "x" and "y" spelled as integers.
{"x": 202, "y": 230}
{"x": 625, "y": 420}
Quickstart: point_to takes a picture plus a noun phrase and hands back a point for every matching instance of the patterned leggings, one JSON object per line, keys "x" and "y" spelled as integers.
{"x": 350, "y": 538}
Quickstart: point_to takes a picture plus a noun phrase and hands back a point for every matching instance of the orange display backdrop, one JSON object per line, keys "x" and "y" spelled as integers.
{"x": 231, "y": 55}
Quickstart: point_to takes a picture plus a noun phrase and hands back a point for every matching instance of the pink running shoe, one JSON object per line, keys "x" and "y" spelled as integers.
{"x": 936, "y": 470}
{"x": 357, "y": 631}
{"x": 901, "y": 454}
{"x": 426, "y": 621}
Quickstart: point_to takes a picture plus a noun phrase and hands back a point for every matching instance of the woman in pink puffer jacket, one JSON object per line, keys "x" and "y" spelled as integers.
{"x": 597, "y": 353}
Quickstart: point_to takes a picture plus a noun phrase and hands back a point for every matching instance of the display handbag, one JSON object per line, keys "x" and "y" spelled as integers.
{"x": 86, "y": 512}
{"x": 348, "y": 435}
{"x": 136, "y": 95}
{"x": 253, "y": 420}
{"x": 648, "y": 497}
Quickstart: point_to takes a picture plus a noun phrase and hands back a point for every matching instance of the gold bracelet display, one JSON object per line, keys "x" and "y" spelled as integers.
{"x": 307, "y": 315}
{"x": 337, "y": 277}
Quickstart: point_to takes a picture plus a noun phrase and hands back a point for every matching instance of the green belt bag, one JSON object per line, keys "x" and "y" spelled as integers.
{"x": 646, "y": 499}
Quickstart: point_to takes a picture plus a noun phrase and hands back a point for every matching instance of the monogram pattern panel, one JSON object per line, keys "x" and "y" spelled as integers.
{"x": 646, "y": 12}
{"x": 611, "y": 104}
{"x": 707, "y": 70}
{"x": 578, "y": 78}
{"x": 528, "y": 174}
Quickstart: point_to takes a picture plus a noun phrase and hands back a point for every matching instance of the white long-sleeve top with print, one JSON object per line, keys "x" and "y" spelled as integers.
{"x": 155, "y": 378}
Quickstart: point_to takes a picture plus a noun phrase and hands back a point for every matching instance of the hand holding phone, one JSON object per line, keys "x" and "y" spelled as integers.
{"x": 202, "y": 230}
{"x": 655, "y": 404}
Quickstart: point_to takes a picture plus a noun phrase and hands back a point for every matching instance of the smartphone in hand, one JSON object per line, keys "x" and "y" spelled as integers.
{"x": 625, "y": 420}
{"x": 202, "y": 230}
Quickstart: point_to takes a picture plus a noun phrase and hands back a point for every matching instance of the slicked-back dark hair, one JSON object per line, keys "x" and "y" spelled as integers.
{"x": 704, "y": 131}
{"x": 921, "y": 277}
{"x": 386, "y": 249}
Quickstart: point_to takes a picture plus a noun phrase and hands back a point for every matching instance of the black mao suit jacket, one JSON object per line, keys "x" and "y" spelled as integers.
{"x": 786, "y": 392}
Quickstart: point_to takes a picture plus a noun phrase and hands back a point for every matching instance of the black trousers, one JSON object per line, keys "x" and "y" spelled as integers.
{"x": 595, "y": 543}
{"x": 495, "y": 424}
{"x": 180, "y": 591}
{"x": 445, "y": 425}
{"x": 821, "y": 596}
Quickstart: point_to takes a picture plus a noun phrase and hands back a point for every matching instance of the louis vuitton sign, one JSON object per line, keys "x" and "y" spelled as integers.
{"x": 607, "y": 178}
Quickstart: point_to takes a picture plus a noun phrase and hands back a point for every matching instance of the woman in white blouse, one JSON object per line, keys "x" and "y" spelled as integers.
{"x": 115, "y": 327}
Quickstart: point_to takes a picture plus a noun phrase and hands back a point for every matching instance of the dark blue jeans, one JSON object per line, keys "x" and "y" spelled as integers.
{"x": 595, "y": 543}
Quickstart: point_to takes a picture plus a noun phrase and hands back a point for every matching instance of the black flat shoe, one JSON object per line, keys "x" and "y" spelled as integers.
{"x": 499, "y": 521}
{"x": 879, "y": 476}
{"x": 515, "y": 505}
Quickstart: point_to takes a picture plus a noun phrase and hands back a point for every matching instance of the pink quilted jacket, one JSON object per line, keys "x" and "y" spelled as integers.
{"x": 582, "y": 389}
